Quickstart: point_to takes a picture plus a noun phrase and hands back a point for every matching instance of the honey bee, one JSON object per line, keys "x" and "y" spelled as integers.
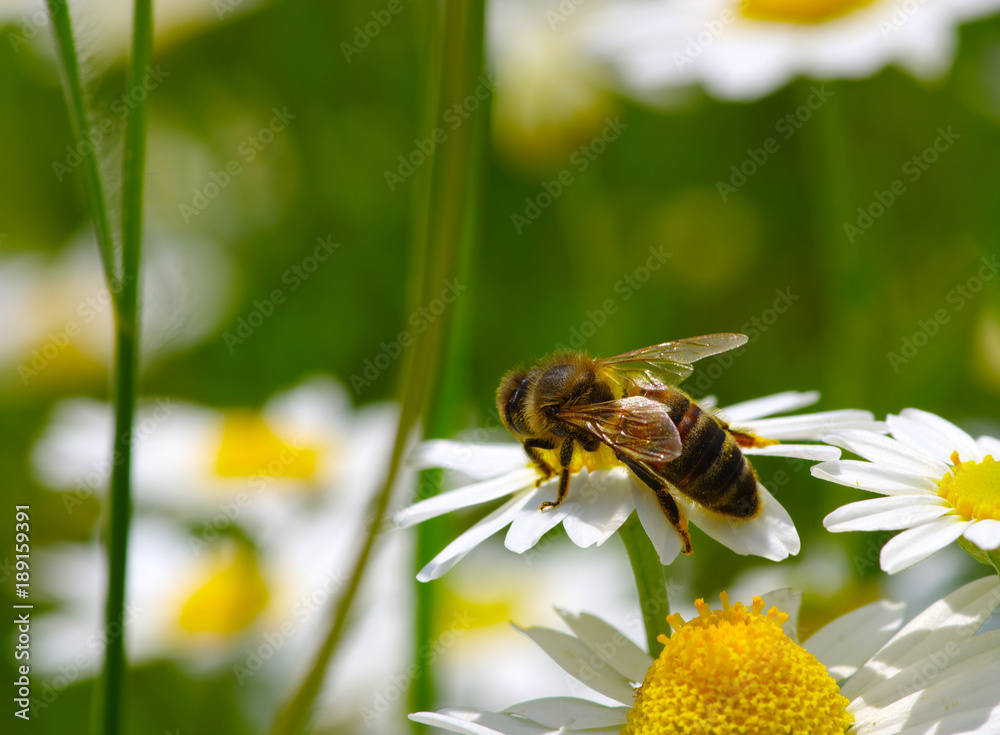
{"x": 571, "y": 403}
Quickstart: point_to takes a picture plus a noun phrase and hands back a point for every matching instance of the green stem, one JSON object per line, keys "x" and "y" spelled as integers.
{"x": 443, "y": 220}
{"x": 77, "y": 106}
{"x": 110, "y": 687}
{"x": 650, "y": 582}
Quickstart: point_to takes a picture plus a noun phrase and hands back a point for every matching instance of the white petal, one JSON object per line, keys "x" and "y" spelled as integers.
{"x": 944, "y": 434}
{"x": 478, "y": 461}
{"x": 479, "y": 492}
{"x": 989, "y": 445}
{"x": 666, "y": 540}
{"x": 771, "y": 535}
{"x": 570, "y": 713}
{"x": 602, "y": 505}
{"x": 457, "y": 549}
{"x": 788, "y": 601}
{"x": 957, "y": 616}
{"x": 916, "y": 544}
{"x": 759, "y": 407}
{"x": 885, "y": 480}
{"x": 815, "y": 425}
{"x": 844, "y": 644}
{"x": 886, "y": 451}
{"x": 625, "y": 656}
{"x": 985, "y": 534}
{"x": 949, "y": 674}
{"x": 886, "y": 514}
{"x": 580, "y": 661}
{"x": 531, "y": 522}
{"x": 478, "y": 722}
{"x": 816, "y": 452}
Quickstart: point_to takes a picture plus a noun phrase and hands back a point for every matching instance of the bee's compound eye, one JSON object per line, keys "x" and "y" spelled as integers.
{"x": 510, "y": 402}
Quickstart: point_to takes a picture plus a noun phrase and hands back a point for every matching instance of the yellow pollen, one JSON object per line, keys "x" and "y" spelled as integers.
{"x": 973, "y": 488}
{"x": 800, "y": 11}
{"x": 230, "y": 596}
{"x": 249, "y": 448}
{"x": 735, "y": 671}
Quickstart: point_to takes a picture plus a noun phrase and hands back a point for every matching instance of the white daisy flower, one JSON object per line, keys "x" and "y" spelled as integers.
{"x": 224, "y": 605}
{"x": 305, "y": 448}
{"x": 56, "y": 315}
{"x": 601, "y": 497}
{"x": 939, "y": 484}
{"x": 551, "y": 94}
{"x": 743, "y": 50}
{"x": 737, "y": 670}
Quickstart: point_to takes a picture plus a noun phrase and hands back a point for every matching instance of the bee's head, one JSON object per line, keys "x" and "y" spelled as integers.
{"x": 511, "y": 401}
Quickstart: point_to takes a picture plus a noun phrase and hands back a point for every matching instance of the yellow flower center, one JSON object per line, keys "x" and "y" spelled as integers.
{"x": 250, "y": 449}
{"x": 735, "y": 671}
{"x": 231, "y": 595}
{"x": 800, "y": 11}
{"x": 973, "y": 488}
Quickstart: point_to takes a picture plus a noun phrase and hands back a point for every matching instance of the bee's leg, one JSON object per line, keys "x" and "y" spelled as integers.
{"x": 749, "y": 439}
{"x": 565, "y": 457}
{"x": 673, "y": 514}
{"x": 531, "y": 447}
{"x": 667, "y": 502}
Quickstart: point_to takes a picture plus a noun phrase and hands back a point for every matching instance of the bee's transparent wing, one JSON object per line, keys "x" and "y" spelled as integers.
{"x": 669, "y": 363}
{"x": 637, "y": 427}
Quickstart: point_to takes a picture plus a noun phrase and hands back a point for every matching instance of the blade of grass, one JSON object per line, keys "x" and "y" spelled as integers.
{"x": 109, "y": 694}
{"x": 442, "y": 218}
{"x": 76, "y": 104}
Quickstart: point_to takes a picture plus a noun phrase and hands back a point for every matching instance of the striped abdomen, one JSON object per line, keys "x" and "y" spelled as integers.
{"x": 711, "y": 469}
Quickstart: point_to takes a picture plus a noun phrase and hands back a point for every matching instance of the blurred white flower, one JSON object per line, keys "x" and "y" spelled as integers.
{"x": 745, "y": 50}
{"x": 736, "y": 669}
{"x": 306, "y": 448}
{"x": 56, "y": 315}
{"x": 552, "y": 95}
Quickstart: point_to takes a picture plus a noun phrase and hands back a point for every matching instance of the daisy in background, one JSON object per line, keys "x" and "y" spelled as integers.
{"x": 307, "y": 447}
{"x": 939, "y": 484}
{"x": 746, "y": 49}
{"x": 551, "y": 95}
{"x": 601, "y": 498}
{"x": 218, "y": 604}
{"x": 740, "y": 669}
{"x": 56, "y": 313}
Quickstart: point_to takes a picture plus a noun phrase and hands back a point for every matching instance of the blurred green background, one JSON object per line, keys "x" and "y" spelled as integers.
{"x": 654, "y": 189}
